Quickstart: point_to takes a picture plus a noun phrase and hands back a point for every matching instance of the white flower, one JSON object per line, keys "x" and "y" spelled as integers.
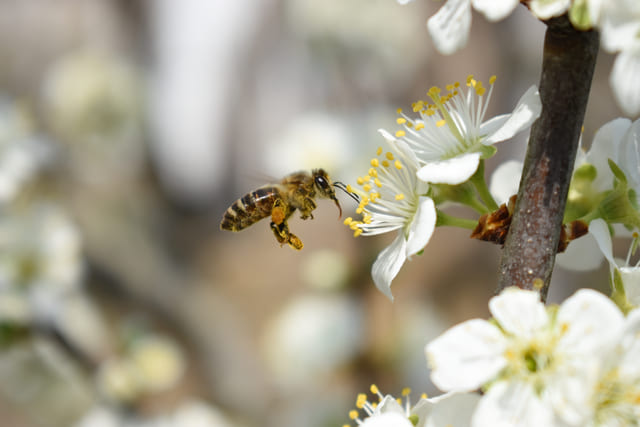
{"x": 392, "y": 198}
{"x": 449, "y": 27}
{"x": 619, "y": 23}
{"x": 450, "y": 409}
{"x": 528, "y": 358}
{"x": 451, "y": 136}
{"x": 629, "y": 274}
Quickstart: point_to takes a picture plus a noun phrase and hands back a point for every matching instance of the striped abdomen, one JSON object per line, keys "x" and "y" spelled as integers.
{"x": 250, "y": 209}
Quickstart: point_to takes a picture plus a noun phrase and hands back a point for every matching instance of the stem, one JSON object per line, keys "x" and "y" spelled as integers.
{"x": 567, "y": 69}
{"x": 481, "y": 187}
{"x": 454, "y": 221}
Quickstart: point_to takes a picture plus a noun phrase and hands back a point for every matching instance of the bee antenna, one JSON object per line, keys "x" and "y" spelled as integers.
{"x": 343, "y": 187}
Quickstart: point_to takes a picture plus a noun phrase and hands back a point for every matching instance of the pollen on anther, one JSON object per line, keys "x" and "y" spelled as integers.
{"x": 401, "y": 120}
{"x": 398, "y": 165}
{"x": 385, "y": 163}
{"x": 360, "y": 180}
{"x": 492, "y": 79}
{"x": 441, "y": 123}
{"x": 400, "y": 196}
{"x": 353, "y": 414}
{"x": 349, "y": 188}
{"x": 377, "y": 182}
{"x": 400, "y": 134}
{"x": 348, "y": 221}
{"x": 357, "y": 232}
{"x": 361, "y": 400}
{"x": 379, "y": 151}
{"x": 419, "y": 126}
{"x": 399, "y": 111}
{"x": 389, "y": 155}
{"x": 375, "y": 163}
{"x": 374, "y": 389}
{"x": 373, "y": 172}
{"x": 366, "y": 187}
{"x": 406, "y": 391}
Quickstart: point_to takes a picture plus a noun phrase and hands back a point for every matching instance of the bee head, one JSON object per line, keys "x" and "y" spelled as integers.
{"x": 323, "y": 185}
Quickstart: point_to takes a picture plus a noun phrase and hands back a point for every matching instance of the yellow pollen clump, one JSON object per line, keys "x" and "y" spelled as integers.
{"x": 348, "y": 221}
{"x": 367, "y": 178}
{"x": 492, "y": 79}
{"x": 430, "y": 112}
{"x": 361, "y": 400}
{"x": 441, "y": 123}
{"x": 469, "y": 79}
{"x": 353, "y": 414}
{"x": 360, "y": 180}
{"x": 366, "y": 219}
{"x": 400, "y": 196}
{"x": 379, "y": 151}
{"x": 419, "y": 126}
{"x": 389, "y": 155}
{"x": 406, "y": 391}
{"x": 357, "y": 232}
{"x": 400, "y": 134}
{"x": 401, "y": 120}
{"x": 449, "y": 87}
{"x": 399, "y": 111}
{"x": 375, "y": 163}
{"x": 635, "y": 235}
{"x": 349, "y": 188}
{"x": 377, "y": 183}
{"x": 359, "y": 210}
{"x": 398, "y": 165}
{"x": 399, "y": 400}
{"x": 373, "y": 172}
{"x": 385, "y": 163}
{"x": 366, "y": 187}
{"x": 374, "y": 389}
{"x": 423, "y": 396}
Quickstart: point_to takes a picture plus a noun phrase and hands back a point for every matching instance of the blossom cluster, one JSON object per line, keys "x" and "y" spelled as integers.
{"x": 444, "y": 146}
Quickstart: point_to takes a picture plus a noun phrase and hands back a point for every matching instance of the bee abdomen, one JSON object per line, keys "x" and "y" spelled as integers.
{"x": 249, "y": 209}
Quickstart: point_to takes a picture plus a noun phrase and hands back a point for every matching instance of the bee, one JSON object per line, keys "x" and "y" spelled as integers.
{"x": 279, "y": 201}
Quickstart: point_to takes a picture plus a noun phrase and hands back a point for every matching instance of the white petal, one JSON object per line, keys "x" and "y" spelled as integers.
{"x": 591, "y": 323}
{"x": 582, "y": 254}
{"x": 449, "y": 27}
{"x": 505, "y": 180}
{"x": 518, "y": 311}
{"x": 512, "y": 404}
{"x": 570, "y": 390}
{"x": 631, "y": 283}
{"x": 605, "y": 146}
{"x": 629, "y": 155}
{"x": 600, "y": 232}
{"x": 389, "y": 404}
{"x": 390, "y": 419}
{"x": 545, "y": 9}
{"x": 451, "y": 409}
{"x": 624, "y": 80}
{"x": 630, "y": 346}
{"x": 466, "y": 356}
{"x": 388, "y": 264}
{"x": 524, "y": 114}
{"x": 424, "y": 222}
{"x": 451, "y": 171}
{"x": 404, "y": 1}
{"x": 495, "y": 10}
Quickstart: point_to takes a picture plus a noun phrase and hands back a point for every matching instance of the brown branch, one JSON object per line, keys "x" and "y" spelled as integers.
{"x": 531, "y": 245}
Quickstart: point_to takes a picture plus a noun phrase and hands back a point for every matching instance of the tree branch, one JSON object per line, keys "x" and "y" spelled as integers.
{"x": 567, "y": 69}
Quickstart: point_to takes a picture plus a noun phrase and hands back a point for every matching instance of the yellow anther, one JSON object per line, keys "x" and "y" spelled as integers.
{"x": 399, "y": 111}
{"x": 379, "y": 151}
{"x": 348, "y": 221}
{"x": 441, "y": 123}
{"x": 400, "y": 134}
{"x": 375, "y": 163}
{"x": 406, "y": 391}
{"x": 398, "y": 165}
{"x": 346, "y": 425}
{"x": 399, "y": 400}
{"x": 389, "y": 155}
{"x": 353, "y": 414}
{"x": 367, "y": 178}
{"x": 450, "y": 87}
{"x": 374, "y": 389}
{"x": 469, "y": 79}
{"x": 423, "y": 396}
{"x": 635, "y": 235}
{"x": 373, "y": 172}
{"x": 366, "y": 219}
{"x": 354, "y": 225}
{"x": 419, "y": 126}
{"x": 360, "y": 180}
{"x": 480, "y": 91}
{"x": 401, "y": 120}
{"x": 361, "y": 400}
{"x": 492, "y": 79}
{"x": 377, "y": 183}
{"x": 400, "y": 196}
{"x": 366, "y": 187}
{"x": 349, "y": 188}
{"x": 359, "y": 210}
{"x": 430, "y": 112}
{"x": 385, "y": 163}
{"x": 357, "y": 232}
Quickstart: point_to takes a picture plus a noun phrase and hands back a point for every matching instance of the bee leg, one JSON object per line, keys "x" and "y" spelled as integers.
{"x": 309, "y": 206}
{"x": 279, "y": 212}
{"x": 283, "y": 235}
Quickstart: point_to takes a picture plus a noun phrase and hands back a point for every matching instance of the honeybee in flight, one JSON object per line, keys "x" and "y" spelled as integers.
{"x": 296, "y": 191}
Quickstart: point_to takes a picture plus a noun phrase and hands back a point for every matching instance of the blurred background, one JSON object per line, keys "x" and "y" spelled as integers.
{"x": 127, "y": 127}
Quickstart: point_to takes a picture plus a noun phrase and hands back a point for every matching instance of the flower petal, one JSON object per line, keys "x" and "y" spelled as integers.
{"x": 624, "y": 80}
{"x": 389, "y": 419}
{"x": 630, "y": 346}
{"x": 605, "y": 146}
{"x": 495, "y": 10}
{"x": 600, "y": 232}
{"x": 631, "y": 283}
{"x": 450, "y": 409}
{"x": 388, "y": 264}
{"x": 629, "y": 155}
{"x": 524, "y": 114}
{"x": 508, "y": 404}
{"x": 422, "y": 227}
{"x": 449, "y": 27}
{"x": 545, "y": 9}
{"x": 591, "y": 323}
{"x": 505, "y": 180}
{"x": 518, "y": 311}
{"x": 466, "y": 356}
{"x": 451, "y": 171}
{"x": 582, "y": 254}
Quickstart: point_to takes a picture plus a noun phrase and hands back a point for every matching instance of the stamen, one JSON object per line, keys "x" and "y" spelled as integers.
{"x": 400, "y": 196}
{"x": 401, "y": 120}
{"x": 379, "y": 151}
{"x": 347, "y": 221}
{"x": 398, "y": 165}
{"x": 400, "y": 134}
{"x": 375, "y": 163}
{"x": 389, "y": 155}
